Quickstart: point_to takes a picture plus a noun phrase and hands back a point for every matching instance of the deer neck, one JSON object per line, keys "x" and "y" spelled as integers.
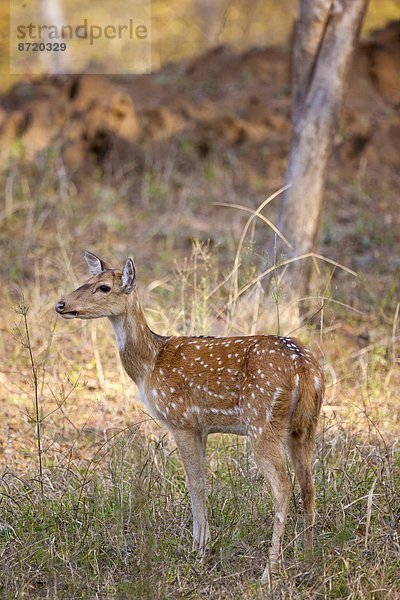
{"x": 138, "y": 346}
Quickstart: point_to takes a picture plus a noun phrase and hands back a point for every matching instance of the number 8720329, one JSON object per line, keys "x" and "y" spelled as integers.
{"x": 42, "y": 46}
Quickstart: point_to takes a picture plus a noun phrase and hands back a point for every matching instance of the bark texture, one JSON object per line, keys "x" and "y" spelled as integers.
{"x": 325, "y": 37}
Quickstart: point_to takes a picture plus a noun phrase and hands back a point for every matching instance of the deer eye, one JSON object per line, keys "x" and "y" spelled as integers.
{"x": 104, "y": 288}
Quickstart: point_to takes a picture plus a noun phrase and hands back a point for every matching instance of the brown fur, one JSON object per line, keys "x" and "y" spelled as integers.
{"x": 264, "y": 386}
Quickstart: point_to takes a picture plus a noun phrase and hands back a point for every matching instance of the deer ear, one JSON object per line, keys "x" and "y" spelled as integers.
{"x": 128, "y": 276}
{"x": 95, "y": 264}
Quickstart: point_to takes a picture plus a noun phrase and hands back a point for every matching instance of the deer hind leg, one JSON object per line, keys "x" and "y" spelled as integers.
{"x": 269, "y": 454}
{"x": 301, "y": 452}
{"x": 191, "y": 446}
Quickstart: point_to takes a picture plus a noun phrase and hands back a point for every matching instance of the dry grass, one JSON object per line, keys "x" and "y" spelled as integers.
{"x": 110, "y": 515}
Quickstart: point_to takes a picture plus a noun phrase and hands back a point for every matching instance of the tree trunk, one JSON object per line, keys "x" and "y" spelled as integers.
{"x": 52, "y": 13}
{"x": 210, "y": 16}
{"x": 325, "y": 38}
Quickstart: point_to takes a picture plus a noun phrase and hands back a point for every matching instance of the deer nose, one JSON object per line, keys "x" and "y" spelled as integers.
{"x": 60, "y": 306}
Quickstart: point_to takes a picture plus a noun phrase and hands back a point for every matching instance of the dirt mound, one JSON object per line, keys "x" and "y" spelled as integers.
{"x": 384, "y": 53}
{"x": 220, "y": 97}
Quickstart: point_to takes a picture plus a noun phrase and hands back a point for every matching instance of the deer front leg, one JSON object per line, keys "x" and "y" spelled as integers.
{"x": 191, "y": 446}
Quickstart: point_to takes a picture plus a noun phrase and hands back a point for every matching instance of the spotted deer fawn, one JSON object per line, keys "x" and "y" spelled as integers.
{"x": 267, "y": 387}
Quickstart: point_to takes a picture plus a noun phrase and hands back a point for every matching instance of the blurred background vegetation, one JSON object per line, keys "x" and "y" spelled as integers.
{"x": 180, "y": 30}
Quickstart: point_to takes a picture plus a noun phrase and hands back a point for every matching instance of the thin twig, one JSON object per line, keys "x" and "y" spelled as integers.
{"x": 23, "y": 310}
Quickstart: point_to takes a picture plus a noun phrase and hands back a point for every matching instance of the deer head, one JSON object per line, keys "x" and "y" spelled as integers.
{"x": 106, "y": 294}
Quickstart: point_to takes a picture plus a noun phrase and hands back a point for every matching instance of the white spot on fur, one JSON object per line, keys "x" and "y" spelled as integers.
{"x": 268, "y": 412}
{"x": 295, "y": 395}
